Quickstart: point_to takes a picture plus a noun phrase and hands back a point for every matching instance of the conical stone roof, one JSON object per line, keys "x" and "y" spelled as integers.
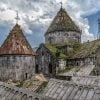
{"x": 16, "y": 43}
{"x": 62, "y": 22}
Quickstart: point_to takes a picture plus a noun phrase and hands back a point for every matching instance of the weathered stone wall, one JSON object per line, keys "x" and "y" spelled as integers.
{"x": 62, "y": 37}
{"x": 16, "y": 67}
{"x": 98, "y": 57}
{"x": 81, "y": 62}
{"x": 48, "y": 63}
{"x": 86, "y": 80}
{"x": 97, "y": 69}
{"x": 45, "y": 62}
{"x": 62, "y": 64}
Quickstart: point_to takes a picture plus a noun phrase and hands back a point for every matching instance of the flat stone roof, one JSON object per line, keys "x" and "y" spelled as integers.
{"x": 63, "y": 90}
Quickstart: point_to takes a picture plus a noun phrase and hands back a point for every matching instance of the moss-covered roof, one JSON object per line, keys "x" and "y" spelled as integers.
{"x": 86, "y": 49}
{"x": 79, "y": 50}
{"x": 55, "y": 50}
{"x": 62, "y": 22}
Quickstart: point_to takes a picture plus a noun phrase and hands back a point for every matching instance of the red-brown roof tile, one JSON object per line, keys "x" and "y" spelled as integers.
{"x": 16, "y": 43}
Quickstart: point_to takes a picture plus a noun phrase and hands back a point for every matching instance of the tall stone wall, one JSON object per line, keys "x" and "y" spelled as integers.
{"x": 81, "y": 62}
{"x": 62, "y": 37}
{"x": 16, "y": 67}
{"x": 45, "y": 62}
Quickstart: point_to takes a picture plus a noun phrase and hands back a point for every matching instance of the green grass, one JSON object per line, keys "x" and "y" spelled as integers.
{"x": 55, "y": 51}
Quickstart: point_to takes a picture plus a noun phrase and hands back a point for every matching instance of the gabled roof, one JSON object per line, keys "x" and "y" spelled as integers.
{"x": 62, "y": 22}
{"x": 16, "y": 43}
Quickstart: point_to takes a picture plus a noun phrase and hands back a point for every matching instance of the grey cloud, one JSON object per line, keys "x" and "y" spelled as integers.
{"x": 49, "y": 9}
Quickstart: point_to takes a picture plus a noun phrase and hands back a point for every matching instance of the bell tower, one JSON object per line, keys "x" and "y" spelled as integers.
{"x": 63, "y": 29}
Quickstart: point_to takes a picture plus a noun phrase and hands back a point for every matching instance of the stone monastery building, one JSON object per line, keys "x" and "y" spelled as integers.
{"x": 17, "y": 59}
{"x": 69, "y": 66}
{"x": 63, "y": 48}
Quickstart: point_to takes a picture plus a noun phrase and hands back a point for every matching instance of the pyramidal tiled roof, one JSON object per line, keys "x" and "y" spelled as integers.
{"x": 16, "y": 43}
{"x": 62, "y": 22}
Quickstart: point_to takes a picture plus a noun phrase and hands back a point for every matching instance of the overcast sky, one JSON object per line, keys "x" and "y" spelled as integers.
{"x": 36, "y": 16}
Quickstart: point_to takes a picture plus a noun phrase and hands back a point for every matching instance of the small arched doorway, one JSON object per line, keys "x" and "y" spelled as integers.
{"x": 50, "y": 68}
{"x": 77, "y": 64}
{"x": 36, "y": 69}
{"x": 26, "y": 76}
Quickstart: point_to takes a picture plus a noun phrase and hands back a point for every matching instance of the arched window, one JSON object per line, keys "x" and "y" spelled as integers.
{"x": 50, "y": 39}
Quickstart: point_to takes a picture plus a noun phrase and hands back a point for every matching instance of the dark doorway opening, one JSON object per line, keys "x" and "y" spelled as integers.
{"x": 36, "y": 69}
{"x": 25, "y": 75}
{"x": 77, "y": 63}
{"x": 50, "y": 68}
